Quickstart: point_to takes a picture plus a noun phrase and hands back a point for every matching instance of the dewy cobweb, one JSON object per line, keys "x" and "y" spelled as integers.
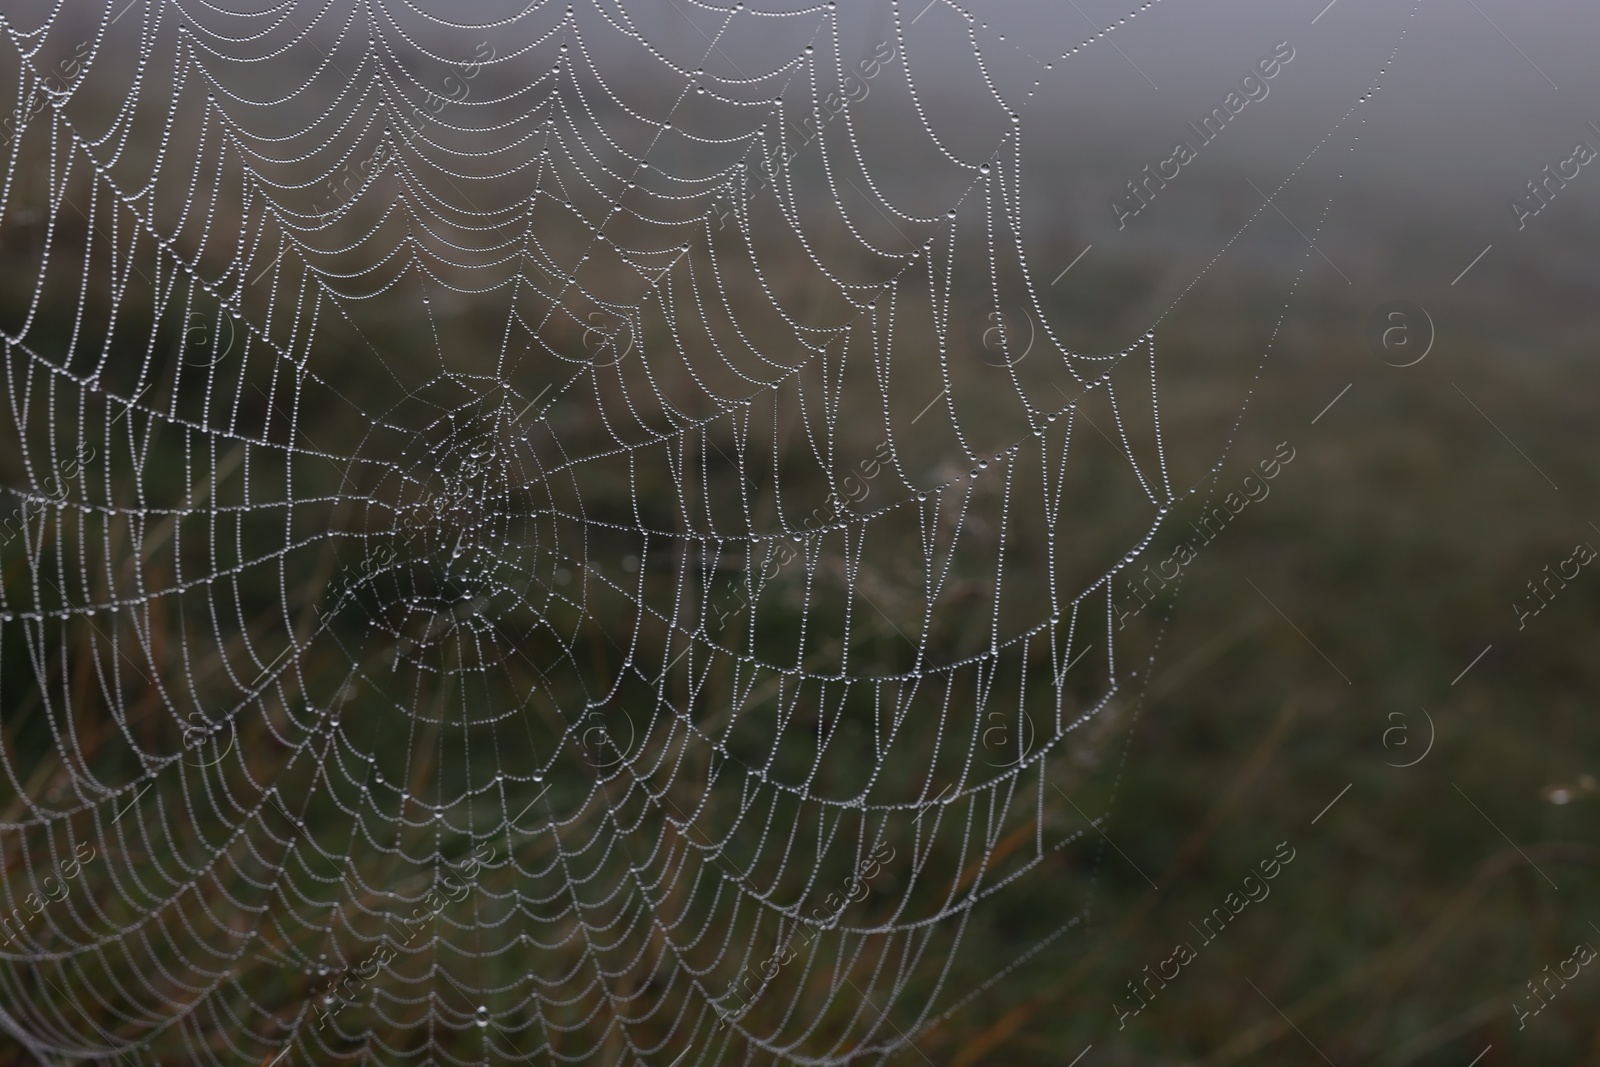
{"x": 562, "y": 536}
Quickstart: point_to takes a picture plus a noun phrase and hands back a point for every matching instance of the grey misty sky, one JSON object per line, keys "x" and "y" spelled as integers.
{"x": 1469, "y": 102}
{"x": 1466, "y": 103}
{"x": 1466, "y": 115}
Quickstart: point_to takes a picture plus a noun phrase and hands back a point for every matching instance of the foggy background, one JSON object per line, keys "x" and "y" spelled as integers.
{"x": 1278, "y": 696}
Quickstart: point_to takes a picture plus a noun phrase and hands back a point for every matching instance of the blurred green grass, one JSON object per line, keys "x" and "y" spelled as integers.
{"x": 1394, "y": 545}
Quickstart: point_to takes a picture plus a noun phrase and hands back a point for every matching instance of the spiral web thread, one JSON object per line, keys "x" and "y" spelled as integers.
{"x": 515, "y": 539}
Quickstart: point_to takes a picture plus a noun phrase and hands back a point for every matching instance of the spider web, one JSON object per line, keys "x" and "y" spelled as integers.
{"x": 524, "y": 523}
